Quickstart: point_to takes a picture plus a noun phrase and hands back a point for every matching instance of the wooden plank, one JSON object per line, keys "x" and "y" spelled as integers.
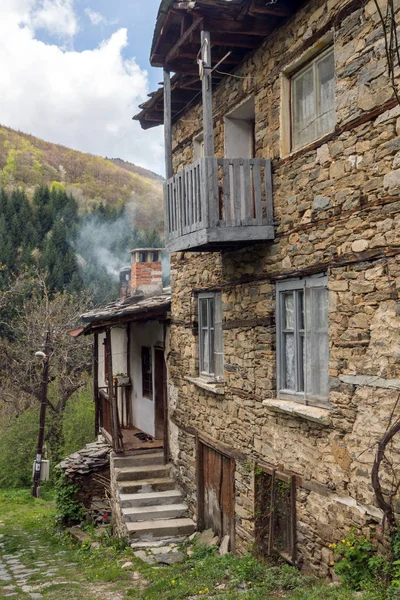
{"x": 212, "y": 191}
{"x": 129, "y": 373}
{"x": 269, "y": 193}
{"x": 116, "y": 441}
{"x": 167, "y": 125}
{"x": 272, "y": 515}
{"x": 247, "y": 194}
{"x": 237, "y": 192}
{"x": 159, "y": 393}
{"x": 200, "y": 484}
{"x": 257, "y": 193}
{"x": 226, "y": 186}
{"x": 208, "y": 127}
{"x": 174, "y": 52}
{"x": 293, "y": 519}
{"x": 96, "y": 398}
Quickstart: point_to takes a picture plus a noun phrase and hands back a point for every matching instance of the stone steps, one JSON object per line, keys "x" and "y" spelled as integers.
{"x": 142, "y": 472}
{"x": 148, "y": 513}
{"x": 150, "y": 506}
{"x": 150, "y": 499}
{"x": 138, "y": 460}
{"x": 156, "y": 530}
{"x": 146, "y": 485}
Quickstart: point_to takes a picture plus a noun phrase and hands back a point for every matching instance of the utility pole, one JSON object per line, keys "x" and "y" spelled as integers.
{"x": 43, "y": 405}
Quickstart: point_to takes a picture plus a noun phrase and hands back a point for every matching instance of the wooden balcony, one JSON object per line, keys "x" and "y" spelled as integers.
{"x": 218, "y": 203}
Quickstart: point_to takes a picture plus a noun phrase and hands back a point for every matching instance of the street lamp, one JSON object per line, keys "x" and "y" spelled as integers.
{"x": 43, "y": 403}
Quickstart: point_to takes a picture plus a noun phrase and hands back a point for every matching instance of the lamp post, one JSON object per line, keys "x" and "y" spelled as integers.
{"x": 43, "y": 402}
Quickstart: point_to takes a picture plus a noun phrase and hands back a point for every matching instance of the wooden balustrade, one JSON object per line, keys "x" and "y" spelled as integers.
{"x": 217, "y": 202}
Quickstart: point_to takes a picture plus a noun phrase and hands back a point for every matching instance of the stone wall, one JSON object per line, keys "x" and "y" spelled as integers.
{"x": 336, "y": 210}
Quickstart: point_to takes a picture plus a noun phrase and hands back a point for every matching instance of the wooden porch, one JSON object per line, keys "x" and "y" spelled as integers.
{"x": 218, "y": 203}
{"x": 130, "y": 438}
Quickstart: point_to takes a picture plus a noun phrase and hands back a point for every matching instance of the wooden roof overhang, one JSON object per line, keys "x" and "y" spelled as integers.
{"x": 237, "y": 27}
{"x": 152, "y": 309}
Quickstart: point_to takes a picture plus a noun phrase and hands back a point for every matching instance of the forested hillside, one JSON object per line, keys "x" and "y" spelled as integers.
{"x": 27, "y": 161}
{"x": 75, "y": 250}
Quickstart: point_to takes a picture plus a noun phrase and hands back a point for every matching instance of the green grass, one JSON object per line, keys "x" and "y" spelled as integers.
{"x": 29, "y": 531}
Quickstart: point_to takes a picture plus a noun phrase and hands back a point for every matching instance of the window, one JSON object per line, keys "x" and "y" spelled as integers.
{"x": 210, "y": 336}
{"x": 147, "y": 373}
{"x": 313, "y": 100}
{"x": 302, "y": 340}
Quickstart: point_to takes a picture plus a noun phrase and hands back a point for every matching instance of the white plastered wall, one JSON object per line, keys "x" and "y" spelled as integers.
{"x": 143, "y": 334}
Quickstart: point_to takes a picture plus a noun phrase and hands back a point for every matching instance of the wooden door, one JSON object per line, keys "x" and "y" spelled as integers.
{"x": 160, "y": 395}
{"x": 216, "y": 492}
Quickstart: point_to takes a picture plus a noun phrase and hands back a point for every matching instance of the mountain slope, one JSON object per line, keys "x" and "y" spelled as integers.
{"x": 26, "y": 161}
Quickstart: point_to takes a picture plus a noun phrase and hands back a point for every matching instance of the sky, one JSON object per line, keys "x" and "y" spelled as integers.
{"x": 73, "y": 72}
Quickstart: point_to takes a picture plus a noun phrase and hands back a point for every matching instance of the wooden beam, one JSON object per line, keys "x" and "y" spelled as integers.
{"x": 208, "y": 127}
{"x": 167, "y": 125}
{"x": 186, "y": 36}
{"x": 113, "y": 400}
{"x": 279, "y": 9}
{"x": 249, "y": 26}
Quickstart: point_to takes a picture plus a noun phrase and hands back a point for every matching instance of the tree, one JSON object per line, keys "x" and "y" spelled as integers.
{"x": 70, "y": 357}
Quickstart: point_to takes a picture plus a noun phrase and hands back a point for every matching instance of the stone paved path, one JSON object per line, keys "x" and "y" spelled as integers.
{"x": 16, "y": 574}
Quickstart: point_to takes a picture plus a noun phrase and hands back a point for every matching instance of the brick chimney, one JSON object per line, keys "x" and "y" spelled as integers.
{"x": 146, "y": 271}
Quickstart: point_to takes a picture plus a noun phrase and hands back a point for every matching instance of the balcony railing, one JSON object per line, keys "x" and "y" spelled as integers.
{"x": 218, "y": 203}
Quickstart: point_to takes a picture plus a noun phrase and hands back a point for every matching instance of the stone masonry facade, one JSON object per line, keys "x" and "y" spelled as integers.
{"x": 336, "y": 211}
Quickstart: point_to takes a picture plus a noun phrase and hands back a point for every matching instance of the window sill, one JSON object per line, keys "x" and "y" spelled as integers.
{"x": 215, "y": 387}
{"x": 303, "y": 411}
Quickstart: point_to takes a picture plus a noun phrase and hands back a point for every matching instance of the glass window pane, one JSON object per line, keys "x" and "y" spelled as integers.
{"x": 203, "y": 312}
{"x": 300, "y": 296}
{"x": 303, "y": 108}
{"x": 317, "y": 351}
{"x": 204, "y": 358}
{"x": 289, "y": 356}
{"x": 288, "y": 309}
{"x": 211, "y": 366}
{"x": 211, "y": 312}
{"x": 301, "y": 361}
{"x": 326, "y": 85}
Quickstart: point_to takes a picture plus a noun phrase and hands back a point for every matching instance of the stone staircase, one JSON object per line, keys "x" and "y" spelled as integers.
{"x": 150, "y": 505}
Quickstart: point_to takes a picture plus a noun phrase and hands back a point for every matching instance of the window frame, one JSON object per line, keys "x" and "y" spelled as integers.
{"x": 323, "y": 44}
{"x": 147, "y": 372}
{"x": 310, "y": 64}
{"x": 215, "y": 297}
{"x": 301, "y": 283}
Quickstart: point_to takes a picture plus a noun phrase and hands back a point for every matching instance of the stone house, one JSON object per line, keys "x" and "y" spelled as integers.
{"x": 282, "y": 138}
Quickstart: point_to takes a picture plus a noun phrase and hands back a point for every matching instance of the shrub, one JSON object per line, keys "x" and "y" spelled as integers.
{"x": 18, "y": 444}
{"x": 69, "y": 509}
{"x": 359, "y": 564}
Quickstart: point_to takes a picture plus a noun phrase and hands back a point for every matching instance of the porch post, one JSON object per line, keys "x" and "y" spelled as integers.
{"x": 167, "y": 125}
{"x": 113, "y": 401}
{"x": 208, "y": 129}
{"x": 96, "y": 399}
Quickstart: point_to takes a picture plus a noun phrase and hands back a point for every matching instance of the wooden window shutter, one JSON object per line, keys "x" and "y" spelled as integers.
{"x": 275, "y": 517}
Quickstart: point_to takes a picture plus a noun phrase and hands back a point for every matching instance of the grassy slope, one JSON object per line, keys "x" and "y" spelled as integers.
{"x": 28, "y": 161}
{"x": 28, "y": 532}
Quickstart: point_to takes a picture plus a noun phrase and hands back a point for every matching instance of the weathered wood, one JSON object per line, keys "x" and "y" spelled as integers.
{"x": 174, "y": 52}
{"x": 208, "y": 127}
{"x": 167, "y": 125}
{"x": 199, "y": 210}
{"x": 129, "y": 391}
{"x": 96, "y": 398}
{"x": 113, "y": 400}
{"x": 269, "y": 193}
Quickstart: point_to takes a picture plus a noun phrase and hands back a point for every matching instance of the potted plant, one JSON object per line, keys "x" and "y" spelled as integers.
{"x": 121, "y": 378}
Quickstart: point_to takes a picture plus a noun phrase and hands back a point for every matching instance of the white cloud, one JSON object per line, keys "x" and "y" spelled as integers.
{"x": 96, "y": 18}
{"x": 84, "y": 100}
{"x": 57, "y": 16}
